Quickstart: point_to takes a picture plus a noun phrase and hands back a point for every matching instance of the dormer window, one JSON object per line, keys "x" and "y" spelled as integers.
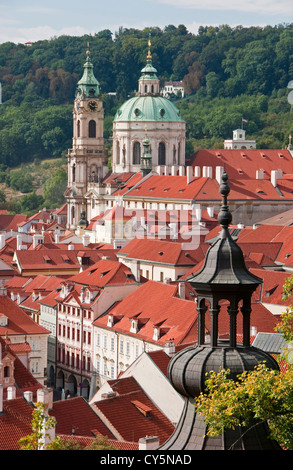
{"x": 110, "y": 322}
{"x": 156, "y": 335}
{"x": 134, "y": 326}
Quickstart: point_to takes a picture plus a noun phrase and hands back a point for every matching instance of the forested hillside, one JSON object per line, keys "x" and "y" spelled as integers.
{"x": 229, "y": 73}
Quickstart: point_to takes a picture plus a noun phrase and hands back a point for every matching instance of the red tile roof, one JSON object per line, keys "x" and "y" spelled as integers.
{"x": 133, "y": 415}
{"x": 15, "y": 423}
{"x": 105, "y": 272}
{"x": 155, "y": 304}
{"x": 164, "y": 252}
{"x": 19, "y": 323}
{"x": 248, "y": 161}
{"x": 75, "y": 415}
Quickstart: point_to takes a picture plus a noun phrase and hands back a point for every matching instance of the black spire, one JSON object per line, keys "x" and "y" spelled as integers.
{"x": 223, "y": 278}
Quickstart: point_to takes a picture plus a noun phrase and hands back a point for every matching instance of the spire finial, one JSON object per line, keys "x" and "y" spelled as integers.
{"x": 224, "y": 216}
{"x": 149, "y": 56}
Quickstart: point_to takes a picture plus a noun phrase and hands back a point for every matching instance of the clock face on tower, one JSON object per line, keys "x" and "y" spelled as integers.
{"x": 92, "y": 105}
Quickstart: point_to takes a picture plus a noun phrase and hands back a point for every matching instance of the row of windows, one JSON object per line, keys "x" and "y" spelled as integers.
{"x": 124, "y": 346}
{"x": 74, "y": 334}
{"x": 87, "y": 314}
{"x": 136, "y": 153}
{"x": 71, "y": 359}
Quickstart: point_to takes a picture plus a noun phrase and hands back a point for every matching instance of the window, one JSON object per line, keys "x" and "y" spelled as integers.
{"x": 105, "y": 342}
{"x": 136, "y": 153}
{"x": 78, "y": 128}
{"x": 121, "y": 346}
{"x": 112, "y": 343}
{"x": 99, "y": 339}
{"x": 112, "y": 372}
{"x": 73, "y": 173}
{"x": 162, "y": 154}
{"x": 92, "y": 129}
{"x": 136, "y": 350}
{"x": 127, "y": 348}
{"x": 98, "y": 366}
{"x": 105, "y": 369}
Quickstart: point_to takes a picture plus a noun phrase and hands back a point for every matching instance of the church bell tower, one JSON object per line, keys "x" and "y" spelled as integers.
{"x": 87, "y": 159}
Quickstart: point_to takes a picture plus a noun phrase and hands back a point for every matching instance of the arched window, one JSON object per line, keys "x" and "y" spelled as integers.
{"x": 72, "y": 213}
{"x": 78, "y": 128}
{"x": 92, "y": 128}
{"x": 136, "y": 153}
{"x": 162, "y": 154}
{"x": 73, "y": 173}
{"x": 6, "y": 371}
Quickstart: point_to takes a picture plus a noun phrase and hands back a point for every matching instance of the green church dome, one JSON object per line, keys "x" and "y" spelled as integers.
{"x": 148, "y": 108}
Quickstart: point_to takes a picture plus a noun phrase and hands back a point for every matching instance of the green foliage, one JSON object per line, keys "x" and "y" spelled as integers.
{"x": 54, "y": 189}
{"x": 262, "y": 394}
{"x": 40, "y": 428}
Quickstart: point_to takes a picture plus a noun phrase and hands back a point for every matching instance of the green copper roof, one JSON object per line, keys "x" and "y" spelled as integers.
{"x": 148, "y": 108}
{"x": 149, "y": 72}
{"x": 88, "y": 84}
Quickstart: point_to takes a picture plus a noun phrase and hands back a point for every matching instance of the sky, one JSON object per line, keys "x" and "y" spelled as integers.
{"x": 32, "y": 20}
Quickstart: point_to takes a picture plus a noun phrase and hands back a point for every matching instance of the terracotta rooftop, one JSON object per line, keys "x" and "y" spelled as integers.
{"x": 242, "y": 164}
{"x": 19, "y": 323}
{"x": 160, "y": 251}
{"x": 154, "y": 304}
{"x": 133, "y": 415}
{"x": 105, "y": 272}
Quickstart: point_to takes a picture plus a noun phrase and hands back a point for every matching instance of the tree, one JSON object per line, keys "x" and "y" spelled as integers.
{"x": 263, "y": 394}
{"x": 41, "y": 426}
{"x": 54, "y": 189}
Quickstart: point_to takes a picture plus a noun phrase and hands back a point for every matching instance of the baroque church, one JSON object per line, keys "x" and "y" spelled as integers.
{"x": 148, "y": 135}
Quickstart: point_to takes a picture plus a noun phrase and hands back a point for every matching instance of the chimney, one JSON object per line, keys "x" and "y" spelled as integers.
{"x": 169, "y": 348}
{"x": 276, "y": 175}
{"x": 70, "y": 247}
{"x": 148, "y": 443}
{"x": 37, "y": 239}
{"x": 198, "y": 213}
{"x": 189, "y": 174}
{"x": 11, "y": 393}
{"x": 57, "y": 236}
{"x": 181, "y": 170}
{"x": 85, "y": 239}
{"x": 207, "y": 172}
{"x": 19, "y": 242}
{"x": 197, "y": 171}
{"x": 259, "y": 174}
{"x": 181, "y": 289}
{"x": 219, "y": 172}
{"x": 28, "y": 395}
{"x": 45, "y": 396}
{"x": 173, "y": 170}
{"x": 2, "y": 240}
{"x": 210, "y": 211}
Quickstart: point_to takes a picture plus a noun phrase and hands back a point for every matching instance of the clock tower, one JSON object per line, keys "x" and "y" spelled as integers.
{"x": 87, "y": 159}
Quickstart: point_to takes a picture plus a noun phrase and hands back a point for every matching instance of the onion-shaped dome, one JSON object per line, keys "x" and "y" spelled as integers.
{"x": 188, "y": 369}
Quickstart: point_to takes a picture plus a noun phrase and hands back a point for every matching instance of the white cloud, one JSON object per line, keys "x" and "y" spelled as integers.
{"x": 23, "y": 35}
{"x": 249, "y": 6}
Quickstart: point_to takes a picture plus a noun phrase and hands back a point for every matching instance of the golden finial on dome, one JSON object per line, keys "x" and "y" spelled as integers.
{"x": 149, "y": 56}
{"x": 88, "y": 49}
